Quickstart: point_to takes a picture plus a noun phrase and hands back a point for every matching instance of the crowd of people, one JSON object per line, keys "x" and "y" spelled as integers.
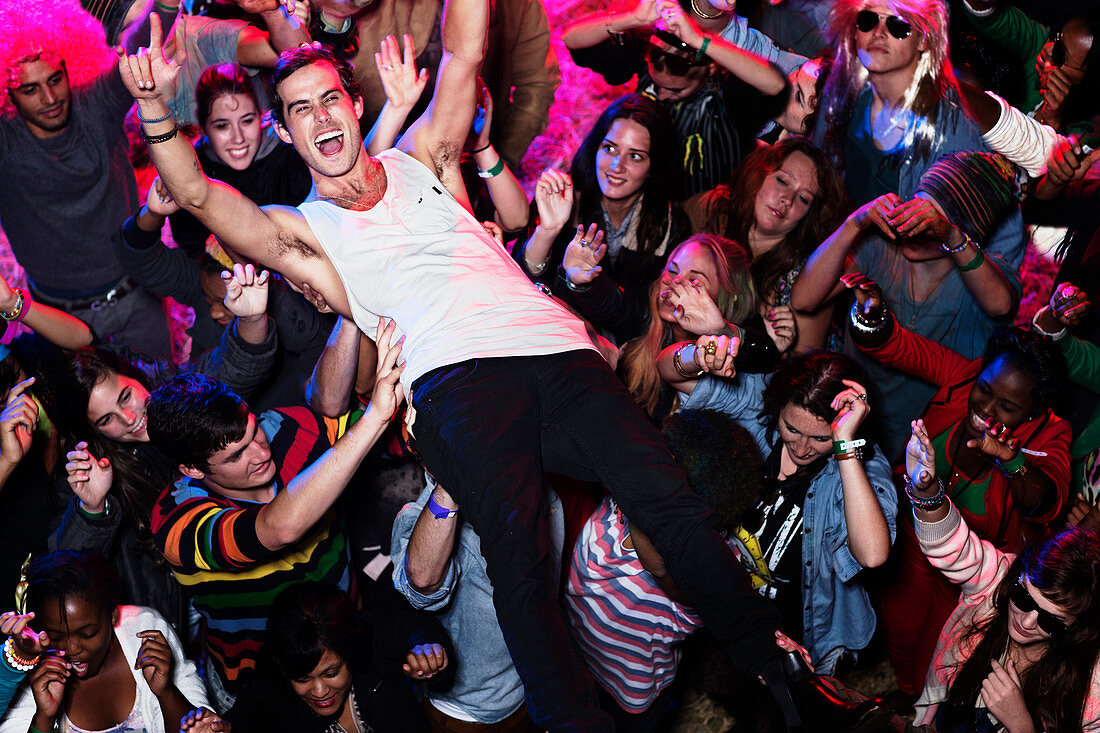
{"x": 753, "y": 366}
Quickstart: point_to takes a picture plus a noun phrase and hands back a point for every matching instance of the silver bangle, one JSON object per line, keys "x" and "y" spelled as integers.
{"x": 861, "y": 325}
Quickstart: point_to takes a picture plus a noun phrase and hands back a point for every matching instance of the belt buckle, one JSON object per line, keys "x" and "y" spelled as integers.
{"x": 107, "y": 301}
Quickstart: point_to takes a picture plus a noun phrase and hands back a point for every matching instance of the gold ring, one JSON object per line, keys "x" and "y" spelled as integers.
{"x": 711, "y": 348}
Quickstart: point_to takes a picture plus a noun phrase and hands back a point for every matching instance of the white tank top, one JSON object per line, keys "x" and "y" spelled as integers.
{"x": 420, "y": 258}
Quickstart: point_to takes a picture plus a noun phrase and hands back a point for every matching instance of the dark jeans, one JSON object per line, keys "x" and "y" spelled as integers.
{"x": 488, "y": 429}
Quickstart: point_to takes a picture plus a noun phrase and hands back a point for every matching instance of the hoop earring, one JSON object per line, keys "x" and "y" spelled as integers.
{"x": 695, "y": 9}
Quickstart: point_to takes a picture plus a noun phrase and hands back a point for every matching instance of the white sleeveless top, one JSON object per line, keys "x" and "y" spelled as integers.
{"x": 423, "y": 260}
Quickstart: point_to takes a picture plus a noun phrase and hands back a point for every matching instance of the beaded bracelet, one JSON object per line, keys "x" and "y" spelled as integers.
{"x": 927, "y": 503}
{"x": 967, "y": 241}
{"x": 18, "y": 663}
{"x": 18, "y": 311}
{"x": 678, "y": 364}
{"x": 862, "y": 325}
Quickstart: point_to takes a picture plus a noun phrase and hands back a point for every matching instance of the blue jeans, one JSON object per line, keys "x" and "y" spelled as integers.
{"x": 488, "y": 430}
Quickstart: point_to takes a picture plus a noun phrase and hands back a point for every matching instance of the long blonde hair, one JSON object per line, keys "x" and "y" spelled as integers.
{"x": 736, "y": 300}
{"x": 933, "y": 81}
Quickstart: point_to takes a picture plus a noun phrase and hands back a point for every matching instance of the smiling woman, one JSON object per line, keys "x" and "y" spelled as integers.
{"x": 1001, "y": 454}
{"x": 109, "y": 667}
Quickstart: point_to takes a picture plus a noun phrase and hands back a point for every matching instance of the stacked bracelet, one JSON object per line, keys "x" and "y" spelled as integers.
{"x": 973, "y": 264}
{"x": 18, "y": 310}
{"x": 862, "y": 324}
{"x": 702, "y": 52}
{"x": 678, "y": 364}
{"x": 16, "y": 662}
{"x": 165, "y": 137}
{"x": 496, "y": 170}
{"x": 927, "y": 503}
{"x": 845, "y": 449}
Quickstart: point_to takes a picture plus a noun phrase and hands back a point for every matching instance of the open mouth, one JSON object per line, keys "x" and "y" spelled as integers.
{"x": 329, "y": 143}
{"x": 237, "y": 153}
{"x": 978, "y": 423}
{"x": 139, "y": 427}
{"x": 80, "y": 669}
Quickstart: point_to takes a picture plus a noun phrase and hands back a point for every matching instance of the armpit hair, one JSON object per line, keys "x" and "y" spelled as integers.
{"x": 446, "y": 156}
{"x": 286, "y": 243}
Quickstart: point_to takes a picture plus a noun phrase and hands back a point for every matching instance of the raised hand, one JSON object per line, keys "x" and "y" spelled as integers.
{"x": 29, "y": 643}
{"x": 483, "y": 118}
{"x": 401, "y": 81}
{"x": 424, "y": 661}
{"x": 715, "y": 354}
{"x": 255, "y": 7}
{"x": 147, "y": 74}
{"x": 388, "y": 393}
{"x": 867, "y": 292}
{"x": 693, "y": 308}
{"x": 919, "y": 216}
{"x": 920, "y": 457}
{"x": 645, "y": 13}
{"x": 159, "y": 201}
{"x": 1069, "y": 303}
{"x": 852, "y": 409}
{"x": 876, "y": 213}
{"x": 89, "y": 478}
{"x": 554, "y": 199}
{"x": 997, "y": 442}
{"x": 583, "y": 255}
{"x": 47, "y": 683}
{"x": 18, "y": 420}
{"x": 781, "y": 326}
{"x": 1004, "y": 697}
{"x": 679, "y": 23}
{"x": 246, "y": 291}
{"x": 201, "y": 720}
{"x": 154, "y": 659}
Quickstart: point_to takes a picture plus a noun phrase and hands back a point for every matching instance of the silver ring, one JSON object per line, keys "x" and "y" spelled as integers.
{"x": 387, "y": 67}
{"x": 584, "y": 242}
{"x": 862, "y": 397}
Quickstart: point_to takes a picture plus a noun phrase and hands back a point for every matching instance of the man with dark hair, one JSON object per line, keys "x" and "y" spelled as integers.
{"x": 505, "y": 383}
{"x": 252, "y": 511}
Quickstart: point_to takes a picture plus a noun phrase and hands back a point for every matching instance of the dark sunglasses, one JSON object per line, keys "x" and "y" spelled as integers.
{"x": 1048, "y": 622}
{"x": 673, "y": 64}
{"x": 868, "y": 20}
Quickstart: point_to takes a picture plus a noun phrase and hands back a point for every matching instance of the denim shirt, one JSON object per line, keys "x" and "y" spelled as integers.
{"x": 486, "y": 685}
{"x": 837, "y": 610}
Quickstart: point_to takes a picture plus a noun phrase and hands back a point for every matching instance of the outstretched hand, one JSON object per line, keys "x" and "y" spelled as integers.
{"x": 246, "y": 291}
{"x": 29, "y": 643}
{"x": 388, "y": 393}
{"x": 89, "y": 478}
{"x": 920, "y": 457}
{"x": 1069, "y": 303}
{"x": 997, "y": 442}
{"x": 147, "y": 74}
{"x": 581, "y": 261}
{"x": 554, "y": 199}
{"x": 401, "y": 81}
{"x": 18, "y": 421}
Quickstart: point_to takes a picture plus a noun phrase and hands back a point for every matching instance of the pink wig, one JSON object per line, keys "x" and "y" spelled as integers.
{"x": 59, "y": 28}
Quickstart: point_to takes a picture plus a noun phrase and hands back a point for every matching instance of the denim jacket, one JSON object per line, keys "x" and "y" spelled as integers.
{"x": 486, "y": 685}
{"x": 837, "y": 610}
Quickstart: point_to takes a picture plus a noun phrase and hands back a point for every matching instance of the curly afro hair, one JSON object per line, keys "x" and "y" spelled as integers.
{"x": 53, "y": 28}
{"x": 1035, "y": 355}
{"x": 721, "y": 459}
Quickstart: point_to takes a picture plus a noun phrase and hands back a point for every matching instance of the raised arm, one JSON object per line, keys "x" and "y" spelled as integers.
{"x": 269, "y": 236}
{"x": 598, "y": 27}
{"x": 403, "y": 85}
{"x": 312, "y": 492}
{"x": 436, "y": 138}
{"x": 819, "y": 280}
{"x": 748, "y": 67}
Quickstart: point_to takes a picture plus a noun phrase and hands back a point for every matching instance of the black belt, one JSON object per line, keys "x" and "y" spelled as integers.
{"x": 107, "y": 299}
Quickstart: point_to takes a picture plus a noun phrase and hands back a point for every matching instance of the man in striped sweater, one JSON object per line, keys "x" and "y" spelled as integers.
{"x": 252, "y": 511}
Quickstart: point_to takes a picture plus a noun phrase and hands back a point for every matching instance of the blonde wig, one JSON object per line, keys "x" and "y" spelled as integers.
{"x": 933, "y": 81}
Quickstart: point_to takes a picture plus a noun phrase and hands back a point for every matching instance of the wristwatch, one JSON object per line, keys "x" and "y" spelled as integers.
{"x": 437, "y": 511}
